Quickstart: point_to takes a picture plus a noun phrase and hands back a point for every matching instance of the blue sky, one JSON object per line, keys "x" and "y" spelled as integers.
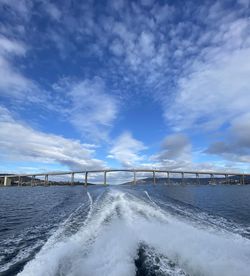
{"x": 95, "y": 84}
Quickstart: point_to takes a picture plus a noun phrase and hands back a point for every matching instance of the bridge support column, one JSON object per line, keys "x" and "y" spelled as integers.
{"x": 226, "y": 176}
{"x": 7, "y": 181}
{"x": 168, "y": 178}
{"x": 19, "y": 181}
{"x": 182, "y": 178}
{"x": 243, "y": 179}
{"x": 72, "y": 179}
{"x": 212, "y": 178}
{"x": 46, "y": 180}
{"x": 105, "y": 177}
{"x": 134, "y": 177}
{"x": 154, "y": 180}
{"x": 198, "y": 178}
{"x": 86, "y": 179}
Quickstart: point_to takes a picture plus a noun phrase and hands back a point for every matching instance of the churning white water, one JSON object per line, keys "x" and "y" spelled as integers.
{"x": 126, "y": 234}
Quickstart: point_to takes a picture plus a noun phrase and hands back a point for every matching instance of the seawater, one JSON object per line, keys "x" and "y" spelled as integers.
{"x": 125, "y": 230}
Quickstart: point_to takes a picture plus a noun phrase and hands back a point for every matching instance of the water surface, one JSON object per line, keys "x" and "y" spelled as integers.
{"x": 125, "y": 230}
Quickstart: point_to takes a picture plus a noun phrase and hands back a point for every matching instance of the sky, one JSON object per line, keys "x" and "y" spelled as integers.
{"x": 124, "y": 84}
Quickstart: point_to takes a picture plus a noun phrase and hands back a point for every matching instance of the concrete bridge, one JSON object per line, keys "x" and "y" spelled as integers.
{"x": 195, "y": 174}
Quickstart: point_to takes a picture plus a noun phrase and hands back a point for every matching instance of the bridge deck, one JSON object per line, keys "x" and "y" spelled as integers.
{"x": 132, "y": 171}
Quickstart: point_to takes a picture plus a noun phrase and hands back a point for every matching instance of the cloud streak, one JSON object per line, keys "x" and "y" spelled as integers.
{"x": 19, "y": 142}
{"x": 13, "y": 84}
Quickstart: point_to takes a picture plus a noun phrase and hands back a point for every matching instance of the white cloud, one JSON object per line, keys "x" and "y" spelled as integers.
{"x": 213, "y": 86}
{"x": 245, "y": 3}
{"x": 146, "y": 42}
{"x": 126, "y": 150}
{"x": 213, "y": 94}
{"x": 88, "y": 107}
{"x": 163, "y": 13}
{"x": 85, "y": 104}
{"x": 236, "y": 146}
{"x": 13, "y": 84}
{"x": 11, "y": 46}
{"x": 138, "y": 46}
{"x": 175, "y": 153}
{"x": 240, "y": 130}
{"x": 147, "y": 2}
{"x": 117, "y": 5}
{"x": 175, "y": 146}
{"x": 117, "y": 48}
{"x": 20, "y": 7}
{"x": 20, "y": 142}
{"x": 53, "y": 11}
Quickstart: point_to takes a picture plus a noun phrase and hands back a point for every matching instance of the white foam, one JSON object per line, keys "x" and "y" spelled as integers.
{"x": 90, "y": 199}
{"x": 108, "y": 241}
{"x": 148, "y": 196}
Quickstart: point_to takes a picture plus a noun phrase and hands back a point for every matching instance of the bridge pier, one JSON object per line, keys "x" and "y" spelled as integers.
{"x": 86, "y": 179}
{"x": 182, "y": 178}
{"x": 212, "y": 178}
{"x": 46, "y": 180}
{"x": 134, "y": 177}
{"x": 105, "y": 177}
{"x": 198, "y": 178}
{"x": 226, "y": 176}
{"x": 72, "y": 179}
{"x": 154, "y": 181}
{"x": 168, "y": 178}
{"x": 243, "y": 179}
{"x": 7, "y": 181}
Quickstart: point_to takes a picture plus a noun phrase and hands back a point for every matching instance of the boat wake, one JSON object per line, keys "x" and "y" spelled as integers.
{"x": 124, "y": 233}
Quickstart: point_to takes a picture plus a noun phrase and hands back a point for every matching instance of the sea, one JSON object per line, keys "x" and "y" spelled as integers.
{"x": 125, "y": 230}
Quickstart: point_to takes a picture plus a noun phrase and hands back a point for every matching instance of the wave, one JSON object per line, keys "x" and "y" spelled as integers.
{"x": 124, "y": 233}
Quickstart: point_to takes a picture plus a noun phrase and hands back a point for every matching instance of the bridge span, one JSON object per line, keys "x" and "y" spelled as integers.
{"x": 195, "y": 174}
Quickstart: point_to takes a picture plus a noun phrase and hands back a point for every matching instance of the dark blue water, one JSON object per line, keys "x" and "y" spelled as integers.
{"x": 125, "y": 230}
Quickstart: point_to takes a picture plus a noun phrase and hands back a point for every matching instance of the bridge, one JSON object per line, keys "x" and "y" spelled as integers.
{"x": 195, "y": 174}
